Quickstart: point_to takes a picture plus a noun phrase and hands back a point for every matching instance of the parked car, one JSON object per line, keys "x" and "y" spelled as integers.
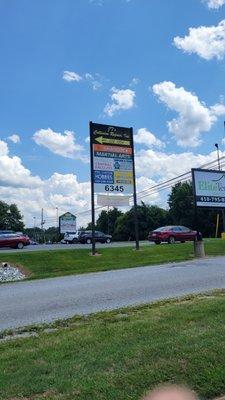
{"x": 86, "y": 237}
{"x": 14, "y": 240}
{"x": 172, "y": 234}
{"x": 72, "y": 237}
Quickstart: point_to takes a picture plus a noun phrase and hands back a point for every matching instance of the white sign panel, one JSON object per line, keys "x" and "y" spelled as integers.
{"x": 113, "y": 201}
{"x": 67, "y": 223}
{"x": 209, "y": 188}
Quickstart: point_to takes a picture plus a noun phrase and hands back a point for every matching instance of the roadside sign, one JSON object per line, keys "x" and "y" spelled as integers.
{"x": 112, "y": 149}
{"x": 112, "y": 200}
{"x": 112, "y": 169}
{"x": 209, "y": 188}
{"x": 67, "y": 223}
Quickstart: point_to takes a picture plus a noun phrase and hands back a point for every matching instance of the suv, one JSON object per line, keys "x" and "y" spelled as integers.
{"x": 71, "y": 237}
{"x": 86, "y": 237}
{"x": 14, "y": 240}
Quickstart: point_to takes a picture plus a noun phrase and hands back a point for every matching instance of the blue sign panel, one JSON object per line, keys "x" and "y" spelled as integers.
{"x": 104, "y": 177}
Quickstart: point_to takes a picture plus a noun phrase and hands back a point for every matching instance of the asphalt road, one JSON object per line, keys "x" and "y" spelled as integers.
{"x": 32, "y": 302}
{"x": 60, "y": 246}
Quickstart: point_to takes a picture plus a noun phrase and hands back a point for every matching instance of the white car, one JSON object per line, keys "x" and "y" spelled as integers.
{"x": 71, "y": 237}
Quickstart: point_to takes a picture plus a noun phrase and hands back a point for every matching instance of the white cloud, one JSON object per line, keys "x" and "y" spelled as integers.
{"x": 71, "y": 76}
{"x": 214, "y": 4}
{"x": 206, "y": 41}
{"x": 143, "y": 136}
{"x": 14, "y": 138}
{"x": 12, "y": 172}
{"x": 193, "y": 115}
{"x": 93, "y": 80}
{"x": 122, "y": 99}
{"x": 159, "y": 165}
{"x": 62, "y": 144}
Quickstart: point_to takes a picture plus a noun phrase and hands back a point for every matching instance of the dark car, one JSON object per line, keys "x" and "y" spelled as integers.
{"x": 13, "y": 240}
{"x": 86, "y": 237}
{"x": 172, "y": 234}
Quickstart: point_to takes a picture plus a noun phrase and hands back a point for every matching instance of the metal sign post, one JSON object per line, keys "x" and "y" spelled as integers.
{"x": 112, "y": 167}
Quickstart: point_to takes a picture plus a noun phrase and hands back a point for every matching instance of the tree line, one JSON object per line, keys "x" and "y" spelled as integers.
{"x": 120, "y": 225}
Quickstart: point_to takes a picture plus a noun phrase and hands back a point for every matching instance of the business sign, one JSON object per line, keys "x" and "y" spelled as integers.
{"x": 113, "y": 159}
{"x": 209, "y": 188}
{"x": 67, "y": 223}
{"x": 105, "y": 200}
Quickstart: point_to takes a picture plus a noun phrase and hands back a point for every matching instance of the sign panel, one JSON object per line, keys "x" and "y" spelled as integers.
{"x": 67, "y": 223}
{"x": 105, "y": 200}
{"x": 209, "y": 188}
{"x": 113, "y": 159}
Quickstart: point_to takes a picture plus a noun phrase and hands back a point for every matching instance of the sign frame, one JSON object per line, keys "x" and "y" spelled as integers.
{"x": 207, "y": 207}
{"x": 92, "y": 171}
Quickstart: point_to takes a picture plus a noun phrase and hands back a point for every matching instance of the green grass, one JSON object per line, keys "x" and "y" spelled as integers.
{"x": 53, "y": 263}
{"x": 119, "y": 355}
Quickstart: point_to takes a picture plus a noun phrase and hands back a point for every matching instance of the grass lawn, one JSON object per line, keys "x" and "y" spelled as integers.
{"x": 45, "y": 264}
{"x": 119, "y": 355}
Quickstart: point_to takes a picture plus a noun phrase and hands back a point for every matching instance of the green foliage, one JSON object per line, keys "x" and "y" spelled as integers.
{"x": 10, "y": 217}
{"x": 149, "y": 218}
{"x": 107, "y": 220}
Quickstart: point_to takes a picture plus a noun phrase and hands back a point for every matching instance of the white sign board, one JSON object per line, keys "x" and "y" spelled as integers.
{"x": 209, "y": 188}
{"x": 67, "y": 223}
{"x": 113, "y": 201}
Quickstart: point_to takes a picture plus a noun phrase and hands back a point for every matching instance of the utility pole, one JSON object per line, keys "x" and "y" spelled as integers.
{"x": 42, "y": 223}
{"x": 34, "y": 218}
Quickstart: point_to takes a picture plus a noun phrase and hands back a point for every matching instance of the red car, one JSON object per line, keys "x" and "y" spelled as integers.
{"x": 172, "y": 234}
{"x": 17, "y": 241}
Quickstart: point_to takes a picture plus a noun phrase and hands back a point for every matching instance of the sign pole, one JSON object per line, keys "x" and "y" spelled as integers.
{"x": 137, "y": 247}
{"x": 92, "y": 194}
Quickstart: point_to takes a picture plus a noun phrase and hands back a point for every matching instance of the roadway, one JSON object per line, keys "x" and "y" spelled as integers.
{"x": 60, "y": 246}
{"x": 39, "y": 301}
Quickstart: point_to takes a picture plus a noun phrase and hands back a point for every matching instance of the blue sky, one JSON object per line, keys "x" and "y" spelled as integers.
{"x": 116, "y": 52}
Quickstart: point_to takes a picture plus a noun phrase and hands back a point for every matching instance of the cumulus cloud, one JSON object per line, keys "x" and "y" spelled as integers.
{"x": 193, "y": 118}
{"x": 206, "y": 41}
{"x": 14, "y": 138}
{"x": 63, "y": 144}
{"x": 143, "y": 136}
{"x": 214, "y": 4}
{"x": 12, "y": 172}
{"x": 159, "y": 165}
{"x": 121, "y": 99}
{"x": 71, "y": 76}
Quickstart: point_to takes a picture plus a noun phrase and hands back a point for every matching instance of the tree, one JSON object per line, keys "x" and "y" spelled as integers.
{"x": 107, "y": 220}
{"x": 149, "y": 218}
{"x": 10, "y": 217}
{"x": 181, "y": 210}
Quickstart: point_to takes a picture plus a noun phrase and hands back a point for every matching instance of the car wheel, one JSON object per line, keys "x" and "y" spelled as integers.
{"x": 182, "y": 241}
{"x": 157, "y": 242}
{"x": 74, "y": 241}
{"x": 20, "y": 245}
{"x": 88, "y": 241}
{"x": 108, "y": 240}
{"x": 171, "y": 240}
